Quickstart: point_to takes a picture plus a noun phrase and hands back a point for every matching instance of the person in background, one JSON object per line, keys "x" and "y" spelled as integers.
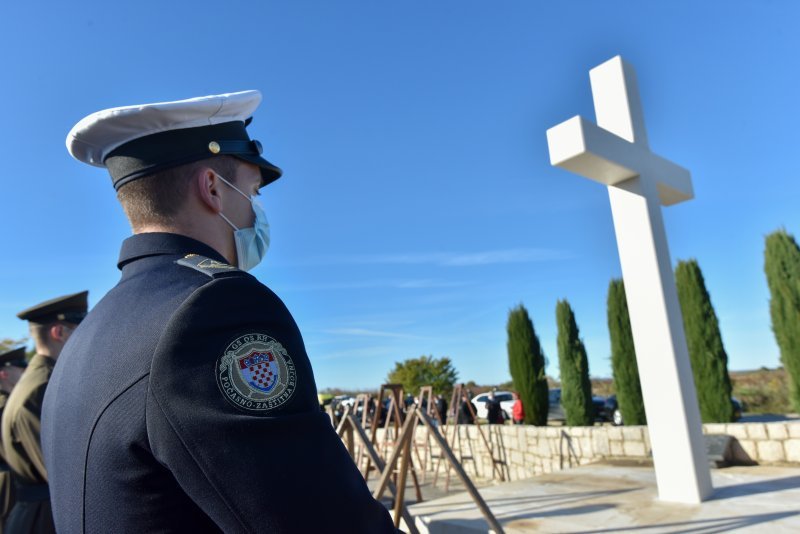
{"x": 518, "y": 410}
{"x": 494, "y": 412}
{"x": 12, "y": 364}
{"x": 51, "y": 324}
{"x": 441, "y": 407}
{"x": 465, "y": 416}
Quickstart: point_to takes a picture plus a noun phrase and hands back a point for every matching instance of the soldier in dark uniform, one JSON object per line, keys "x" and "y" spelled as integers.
{"x": 12, "y": 364}
{"x": 465, "y": 411}
{"x": 186, "y": 401}
{"x": 51, "y": 323}
{"x": 494, "y": 412}
{"x": 441, "y": 408}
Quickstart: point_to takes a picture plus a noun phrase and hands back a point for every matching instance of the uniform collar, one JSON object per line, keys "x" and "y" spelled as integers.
{"x": 157, "y": 243}
{"x": 40, "y": 360}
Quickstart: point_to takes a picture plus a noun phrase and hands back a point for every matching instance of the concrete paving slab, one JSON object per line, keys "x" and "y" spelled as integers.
{"x": 605, "y": 498}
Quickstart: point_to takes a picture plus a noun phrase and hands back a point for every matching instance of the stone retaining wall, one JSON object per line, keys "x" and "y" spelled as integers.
{"x": 764, "y": 443}
{"x": 525, "y": 451}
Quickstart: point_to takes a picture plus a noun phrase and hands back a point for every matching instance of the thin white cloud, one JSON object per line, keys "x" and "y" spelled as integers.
{"x": 366, "y": 332}
{"x": 424, "y": 283}
{"x": 430, "y": 284}
{"x": 350, "y": 353}
{"x": 449, "y": 259}
{"x": 506, "y": 256}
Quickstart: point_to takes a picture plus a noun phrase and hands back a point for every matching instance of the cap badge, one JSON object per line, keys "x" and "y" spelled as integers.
{"x": 213, "y": 147}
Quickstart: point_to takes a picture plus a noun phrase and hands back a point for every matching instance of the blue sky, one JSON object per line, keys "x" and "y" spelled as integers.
{"x": 418, "y": 204}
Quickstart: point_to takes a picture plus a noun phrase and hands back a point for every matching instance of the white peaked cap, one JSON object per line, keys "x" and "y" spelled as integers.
{"x": 145, "y": 138}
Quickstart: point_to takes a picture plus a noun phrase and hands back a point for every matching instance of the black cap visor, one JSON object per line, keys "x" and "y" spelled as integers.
{"x": 269, "y": 172}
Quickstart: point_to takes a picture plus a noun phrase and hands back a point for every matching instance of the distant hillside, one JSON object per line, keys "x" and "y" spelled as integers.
{"x": 762, "y": 391}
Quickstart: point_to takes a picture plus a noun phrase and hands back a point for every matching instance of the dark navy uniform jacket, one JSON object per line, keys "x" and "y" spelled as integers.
{"x": 185, "y": 402}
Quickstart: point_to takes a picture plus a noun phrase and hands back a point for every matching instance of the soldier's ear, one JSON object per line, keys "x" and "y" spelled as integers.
{"x": 209, "y": 185}
{"x": 56, "y": 331}
{"x": 60, "y": 331}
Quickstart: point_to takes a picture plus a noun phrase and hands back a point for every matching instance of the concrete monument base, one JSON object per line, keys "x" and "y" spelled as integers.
{"x": 623, "y": 498}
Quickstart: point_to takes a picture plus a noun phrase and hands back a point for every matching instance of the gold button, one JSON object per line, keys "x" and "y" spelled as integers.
{"x": 213, "y": 147}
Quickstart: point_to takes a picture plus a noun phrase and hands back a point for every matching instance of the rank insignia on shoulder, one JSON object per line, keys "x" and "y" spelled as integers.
{"x": 256, "y": 374}
{"x": 205, "y": 265}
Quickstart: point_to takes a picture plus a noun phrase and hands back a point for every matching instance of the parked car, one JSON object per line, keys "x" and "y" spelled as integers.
{"x": 612, "y": 410}
{"x": 556, "y": 410}
{"x": 370, "y": 406}
{"x": 344, "y": 400}
{"x": 738, "y": 408}
{"x": 615, "y": 416}
{"x": 506, "y": 404}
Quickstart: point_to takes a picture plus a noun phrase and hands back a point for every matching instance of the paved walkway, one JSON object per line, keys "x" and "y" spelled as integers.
{"x": 604, "y": 498}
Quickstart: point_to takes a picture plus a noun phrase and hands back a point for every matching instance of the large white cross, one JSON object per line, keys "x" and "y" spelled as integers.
{"x": 617, "y": 154}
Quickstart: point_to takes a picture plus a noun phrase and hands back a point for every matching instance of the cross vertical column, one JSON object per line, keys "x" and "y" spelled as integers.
{"x": 665, "y": 372}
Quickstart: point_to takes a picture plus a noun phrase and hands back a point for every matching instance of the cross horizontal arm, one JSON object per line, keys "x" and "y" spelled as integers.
{"x": 584, "y": 148}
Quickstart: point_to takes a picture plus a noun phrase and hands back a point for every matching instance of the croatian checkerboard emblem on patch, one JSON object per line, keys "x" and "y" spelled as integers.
{"x": 255, "y": 373}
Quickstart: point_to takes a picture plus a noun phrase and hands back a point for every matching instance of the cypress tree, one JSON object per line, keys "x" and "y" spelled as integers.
{"x": 526, "y": 363}
{"x": 782, "y": 266}
{"x": 623, "y": 357}
{"x": 576, "y": 388}
{"x": 706, "y": 352}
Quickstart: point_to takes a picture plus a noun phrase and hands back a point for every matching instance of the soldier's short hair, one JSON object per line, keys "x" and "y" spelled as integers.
{"x": 159, "y": 197}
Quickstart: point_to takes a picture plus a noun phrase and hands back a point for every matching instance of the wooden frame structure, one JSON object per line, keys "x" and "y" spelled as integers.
{"x": 426, "y": 399}
{"x": 396, "y": 391}
{"x": 402, "y": 453}
{"x": 391, "y": 430}
{"x": 455, "y": 442}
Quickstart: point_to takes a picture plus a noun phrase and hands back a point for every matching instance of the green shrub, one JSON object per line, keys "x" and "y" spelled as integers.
{"x": 782, "y": 266}
{"x": 623, "y": 357}
{"x": 526, "y": 363}
{"x": 706, "y": 351}
{"x": 576, "y": 389}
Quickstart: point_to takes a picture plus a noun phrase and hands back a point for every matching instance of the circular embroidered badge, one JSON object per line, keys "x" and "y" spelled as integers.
{"x": 255, "y": 373}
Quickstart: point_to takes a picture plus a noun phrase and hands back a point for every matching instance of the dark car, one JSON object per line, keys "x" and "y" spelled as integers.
{"x": 615, "y": 416}
{"x": 556, "y": 410}
{"x": 611, "y": 409}
{"x": 738, "y": 408}
{"x": 371, "y": 403}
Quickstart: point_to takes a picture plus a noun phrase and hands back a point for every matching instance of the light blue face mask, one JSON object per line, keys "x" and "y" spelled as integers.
{"x": 251, "y": 243}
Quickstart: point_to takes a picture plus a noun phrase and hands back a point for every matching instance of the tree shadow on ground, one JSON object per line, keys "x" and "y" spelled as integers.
{"x": 549, "y": 500}
{"x": 697, "y": 526}
{"x": 557, "y": 512}
{"x": 702, "y": 526}
{"x": 480, "y": 525}
{"x": 753, "y": 488}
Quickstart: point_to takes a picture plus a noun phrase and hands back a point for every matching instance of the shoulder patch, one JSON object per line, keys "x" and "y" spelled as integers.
{"x": 256, "y": 374}
{"x": 205, "y": 265}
